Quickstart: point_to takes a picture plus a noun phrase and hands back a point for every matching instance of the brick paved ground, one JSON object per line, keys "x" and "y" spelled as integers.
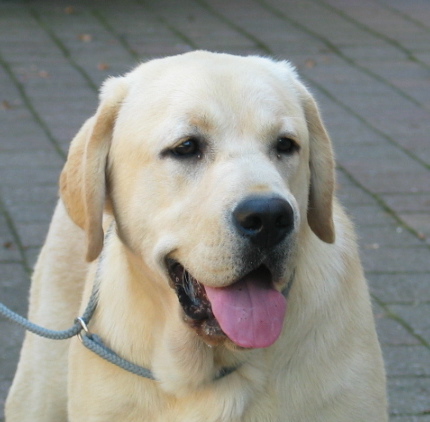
{"x": 368, "y": 63}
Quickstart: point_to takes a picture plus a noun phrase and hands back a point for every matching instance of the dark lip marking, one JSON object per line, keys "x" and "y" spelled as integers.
{"x": 195, "y": 304}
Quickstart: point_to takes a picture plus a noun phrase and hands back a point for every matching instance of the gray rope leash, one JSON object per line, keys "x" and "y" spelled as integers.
{"x": 45, "y": 332}
{"x": 90, "y": 341}
{"x": 79, "y": 328}
{"x": 95, "y": 344}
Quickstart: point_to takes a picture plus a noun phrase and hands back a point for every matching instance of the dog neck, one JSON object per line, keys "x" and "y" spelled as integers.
{"x": 151, "y": 333}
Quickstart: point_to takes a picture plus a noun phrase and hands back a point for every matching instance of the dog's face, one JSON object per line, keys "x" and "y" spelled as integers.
{"x": 212, "y": 166}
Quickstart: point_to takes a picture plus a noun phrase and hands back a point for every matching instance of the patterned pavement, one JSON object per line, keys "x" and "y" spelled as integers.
{"x": 367, "y": 62}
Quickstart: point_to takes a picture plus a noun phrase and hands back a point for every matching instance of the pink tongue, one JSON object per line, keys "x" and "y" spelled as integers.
{"x": 250, "y": 312}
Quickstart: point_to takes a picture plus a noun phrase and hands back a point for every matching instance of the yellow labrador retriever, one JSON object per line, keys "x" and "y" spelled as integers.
{"x": 228, "y": 270}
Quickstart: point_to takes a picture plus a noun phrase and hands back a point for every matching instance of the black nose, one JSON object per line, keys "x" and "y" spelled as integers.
{"x": 266, "y": 221}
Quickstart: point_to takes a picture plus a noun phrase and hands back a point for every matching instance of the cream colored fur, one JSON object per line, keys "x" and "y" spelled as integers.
{"x": 325, "y": 367}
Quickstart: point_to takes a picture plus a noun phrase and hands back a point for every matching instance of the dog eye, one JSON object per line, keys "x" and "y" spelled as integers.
{"x": 187, "y": 149}
{"x": 286, "y": 145}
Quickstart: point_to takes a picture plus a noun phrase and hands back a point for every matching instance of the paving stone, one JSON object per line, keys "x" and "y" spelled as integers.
{"x": 407, "y": 361}
{"x": 385, "y": 181}
{"x": 380, "y": 53}
{"x": 392, "y": 333}
{"x": 400, "y": 287}
{"x": 422, "y": 418}
{"x": 408, "y": 203}
{"x": 32, "y": 193}
{"x": 396, "y": 259}
{"x": 25, "y": 213}
{"x": 33, "y": 234}
{"x": 31, "y": 255}
{"x": 414, "y": 316}
{"x": 8, "y": 248}
{"x": 14, "y": 284}
{"x": 369, "y": 215}
{"x": 420, "y": 222}
{"x": 12, "y": 338}
{"x": 409, "y": 396}
{"x": 375, "y": 237}
{"x": 352, "y": 195}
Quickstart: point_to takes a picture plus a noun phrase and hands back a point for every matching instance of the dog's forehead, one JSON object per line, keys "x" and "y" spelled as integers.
{"x": 201, "y": 62}
{"x": 207, "y": 78}
{"x": 212, "y": 92}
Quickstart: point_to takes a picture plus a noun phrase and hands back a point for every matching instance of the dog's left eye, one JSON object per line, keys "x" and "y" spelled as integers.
{"x": 285, "y": 145}
{"x": 187, "y": 149}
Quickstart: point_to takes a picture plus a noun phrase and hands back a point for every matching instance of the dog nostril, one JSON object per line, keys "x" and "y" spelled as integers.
{"x": 265, "y": 221}
{"x": 251, "y": 222}
{"x": 283, "y": 221}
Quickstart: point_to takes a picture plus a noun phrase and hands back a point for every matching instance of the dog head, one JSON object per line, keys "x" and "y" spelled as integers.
{"x": 212, "y": 165}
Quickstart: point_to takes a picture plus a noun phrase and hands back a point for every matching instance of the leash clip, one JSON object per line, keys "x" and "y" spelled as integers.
{"x": 84, "y": 327}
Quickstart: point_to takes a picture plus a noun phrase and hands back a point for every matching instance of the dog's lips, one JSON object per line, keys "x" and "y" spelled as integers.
{"x": 250, "y": 311}
{"x": 191, "y": 294}
{"x": 197, "y": 310}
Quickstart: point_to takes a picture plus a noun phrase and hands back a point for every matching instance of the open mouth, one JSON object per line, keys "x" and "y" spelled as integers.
{"x": 191, "y": 294}
{"x": 250, "y": 311}
{"x": 195, "y": 304}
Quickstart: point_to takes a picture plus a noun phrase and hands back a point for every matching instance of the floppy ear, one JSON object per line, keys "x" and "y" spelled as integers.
{"x": 322, "y": 169}
{"x": 82, "y": 181}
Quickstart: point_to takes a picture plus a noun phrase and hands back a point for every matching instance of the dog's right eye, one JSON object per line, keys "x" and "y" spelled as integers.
{"x": 187, "y": 149}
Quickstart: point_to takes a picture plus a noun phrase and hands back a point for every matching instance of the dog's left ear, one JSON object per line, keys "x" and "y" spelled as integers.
{"x": 83, "y": 179}
{"x": 322, "y": 170}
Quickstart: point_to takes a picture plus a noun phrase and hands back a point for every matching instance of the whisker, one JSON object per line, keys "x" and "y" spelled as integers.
{"x": 188, "y": 285}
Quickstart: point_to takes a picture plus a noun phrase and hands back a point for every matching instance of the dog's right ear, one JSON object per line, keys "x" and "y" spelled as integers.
{"x": 322, "y": 170}
{"x": 82, "y": 181}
